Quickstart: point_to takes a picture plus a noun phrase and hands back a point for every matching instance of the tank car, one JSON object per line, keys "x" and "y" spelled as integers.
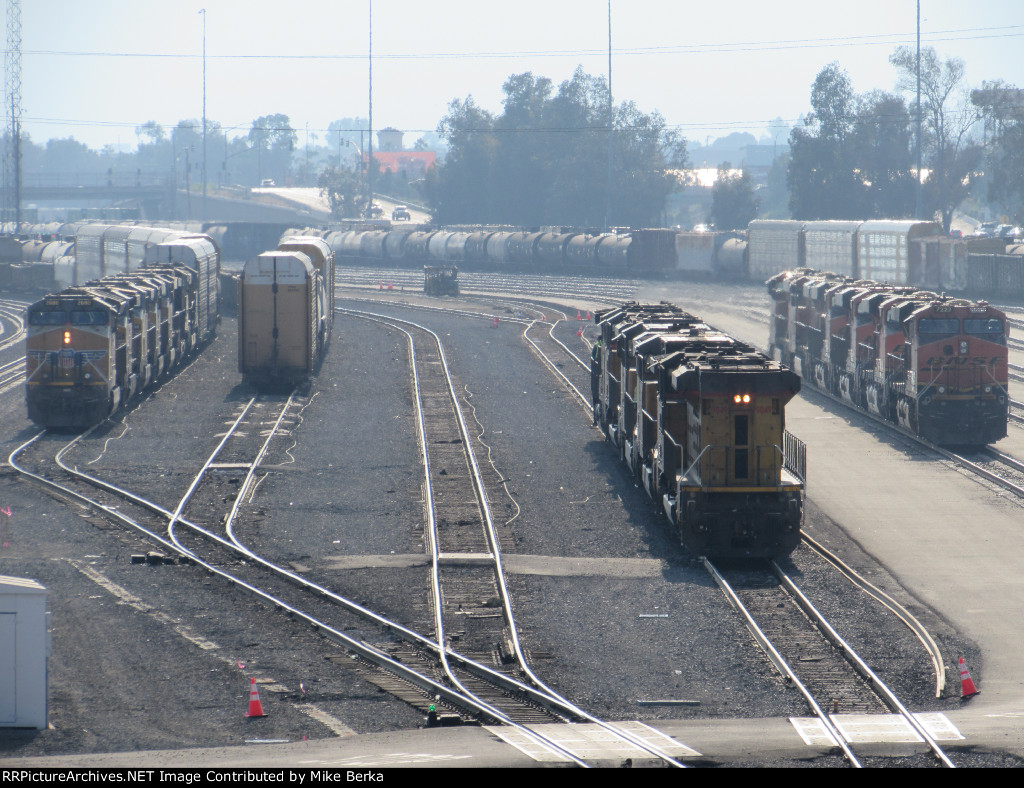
{"x": 279, "y": 319}
{"x": 935, "y": 366}
{"x": 700, "y": 419}
{"x": 90, "y": 349}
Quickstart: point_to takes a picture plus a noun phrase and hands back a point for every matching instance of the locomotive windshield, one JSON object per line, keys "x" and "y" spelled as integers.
{"x": 89, "y": 318}
{"x": 932, "y": 329}
{"x": 57, "y": 317}
{"x": 988, "y": 328}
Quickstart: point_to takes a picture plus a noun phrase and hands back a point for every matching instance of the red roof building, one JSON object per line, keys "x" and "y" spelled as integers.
{"x": 412, "y": 164}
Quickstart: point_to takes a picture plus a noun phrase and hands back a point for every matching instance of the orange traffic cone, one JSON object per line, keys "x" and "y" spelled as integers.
{"x": 381, "y": 285}
{"x": 579, "y": 333}
{"x": 967, "y": 688}
{"x": 255, "y": 707}
{"x": 578, "y": 315}
{"x": 495, "y": 323}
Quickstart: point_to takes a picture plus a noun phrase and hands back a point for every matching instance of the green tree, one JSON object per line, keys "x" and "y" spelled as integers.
{"x": 544, "y": 160}
{"x": 462, "y": 189}
{"x": 273, "y": 139}
{"x": 881, "y": 150}
{"x": 1002, "y": 107}
{"x": 733, "y": 202}
{"x": 822, "y": 179}
{"x": 345, "y": 189}
{"x": 951, "y": 157}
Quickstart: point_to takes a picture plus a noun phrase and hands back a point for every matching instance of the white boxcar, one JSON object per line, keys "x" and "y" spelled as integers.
{"x": 831, "y": 246}
{"x": 885, "y": 253}
{"x": 773, "y": 246}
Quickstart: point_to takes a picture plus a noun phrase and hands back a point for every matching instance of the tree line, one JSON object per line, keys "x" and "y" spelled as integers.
{"x": 856, "y": 155}
{"x": 566, "y": 156}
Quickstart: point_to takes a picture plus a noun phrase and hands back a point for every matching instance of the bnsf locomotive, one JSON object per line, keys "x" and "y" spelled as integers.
{"x": 935, "y": 366}
{"x": 92, "y": 348}
{"x": 700, "y": 420}
{"x": 285, "y": 313}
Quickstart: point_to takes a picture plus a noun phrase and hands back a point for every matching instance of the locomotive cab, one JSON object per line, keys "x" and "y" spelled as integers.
{"x": 739, "y": 492}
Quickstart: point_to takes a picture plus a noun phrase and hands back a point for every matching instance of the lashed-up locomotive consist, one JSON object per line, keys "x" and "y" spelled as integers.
{"x": 92, "y": 348}
{"x": 936, "y": 366}
{"x": 699, "y": 418}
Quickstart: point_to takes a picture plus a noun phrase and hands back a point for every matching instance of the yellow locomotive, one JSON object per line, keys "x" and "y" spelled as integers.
{"x": 92, "y": 348}
{"x": 700, "y": 419}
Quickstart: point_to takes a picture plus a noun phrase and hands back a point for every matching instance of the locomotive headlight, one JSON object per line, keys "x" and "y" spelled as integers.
{"x": 963, "y": 347}
{"x": 744, "y": 398}
{"x": 67, "y": 337}
{"x": 942, "y": 389}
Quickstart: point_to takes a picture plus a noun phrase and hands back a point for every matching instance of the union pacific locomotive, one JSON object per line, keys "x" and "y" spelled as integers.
{"x": 700, "y": 420}
{"x": 92, "y": 348}
{"x": 936, "y": 366}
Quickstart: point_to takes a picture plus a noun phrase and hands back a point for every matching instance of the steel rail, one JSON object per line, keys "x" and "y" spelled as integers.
{"x": 366, "y": 651}
{"x": 547, "y": 693}
{"x": 432, "y": 533}
{"x": 551, "y": 364}
{"x": 353, "y": 607}
{"x": 780, "y": 663}
{"x": 862, "y": 667}
{"x": 895, "y": 607}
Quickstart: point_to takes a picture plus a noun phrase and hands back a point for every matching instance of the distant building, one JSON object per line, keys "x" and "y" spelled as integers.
{"x": 389, "y": 139}
{"x": 413, "y": 165}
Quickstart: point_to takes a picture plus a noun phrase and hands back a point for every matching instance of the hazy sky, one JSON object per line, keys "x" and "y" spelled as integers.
{"x": 97, "y": 69}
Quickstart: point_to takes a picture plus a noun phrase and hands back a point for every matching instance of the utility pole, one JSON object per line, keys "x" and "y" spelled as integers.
{"x": 611, "y": 126}
{"x": 369, "y": 161}
{"x": 917, "y": 193}
{"x": 203, "y": 12}
{"x": 13, "y": 68}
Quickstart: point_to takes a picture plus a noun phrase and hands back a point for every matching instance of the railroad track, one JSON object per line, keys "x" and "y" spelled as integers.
{"x": 470, "y": 599}
{"x": 398, "y": 280}
{"x": 228, "y": 558}
{"x": 811, "y": 655}
{"x": 12, "y": 374}
{"x": 824, "y": 667}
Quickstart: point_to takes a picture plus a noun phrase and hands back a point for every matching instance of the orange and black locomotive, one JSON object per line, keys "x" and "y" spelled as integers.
{"x": 936, "y": 366}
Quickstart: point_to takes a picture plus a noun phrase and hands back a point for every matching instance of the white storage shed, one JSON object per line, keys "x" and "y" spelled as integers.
{"x": 24, "y": 648}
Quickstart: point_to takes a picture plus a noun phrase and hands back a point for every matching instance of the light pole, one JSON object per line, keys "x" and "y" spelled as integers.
{"x": 611, "y": 124}
{"x": 203, "y": 12}
{"x": 369, "y": 161}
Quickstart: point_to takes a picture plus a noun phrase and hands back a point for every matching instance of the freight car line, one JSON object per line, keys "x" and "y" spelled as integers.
{"x": 797, "y": 625}
{"x": 427, "y": 395}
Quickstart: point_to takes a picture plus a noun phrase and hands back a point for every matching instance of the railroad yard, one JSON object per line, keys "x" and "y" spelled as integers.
{"x": 613, "y": 615}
